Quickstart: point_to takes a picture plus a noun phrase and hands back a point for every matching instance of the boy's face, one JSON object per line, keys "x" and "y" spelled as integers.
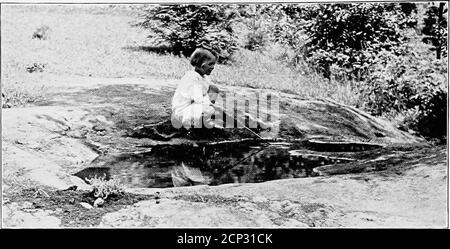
{"x": 208, "y": 66}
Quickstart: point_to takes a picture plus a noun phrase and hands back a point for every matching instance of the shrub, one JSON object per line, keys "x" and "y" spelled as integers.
{"x": 432, "y": 116}
{"x": 18, "y": 94}
{"x": 36, "y": 67}
{"x": 102, "y": 188}
{"x": 41, "y": 33}
{"x": 258, "y": 25}
{"x": 407, "y": 84}
{"x": 255, "y": 40}
{"x": 285, "y": 27}
{"x": 186, "y": 27}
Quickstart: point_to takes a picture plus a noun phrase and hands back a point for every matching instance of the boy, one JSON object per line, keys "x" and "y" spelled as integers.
{"x": 193, "y": 99}
{"x": 195, "y": 94}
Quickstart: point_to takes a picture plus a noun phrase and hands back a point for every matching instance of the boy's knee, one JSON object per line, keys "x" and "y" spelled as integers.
{"x": 208, "y": 111}
{"x": 176, "y": 122}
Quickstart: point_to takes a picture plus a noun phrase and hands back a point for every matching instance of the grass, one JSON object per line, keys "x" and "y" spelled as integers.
{"x": 261, "y": 70}
{"x": 99, "y": 41}
{"x": 18, "y": 90}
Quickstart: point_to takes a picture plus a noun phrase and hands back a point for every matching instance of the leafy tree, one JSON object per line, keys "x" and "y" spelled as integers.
{"x": 435, "y": 28}
{"x": 349, "y": 36}
{"x": 339, "y": 39}
{"x": 186, "y": 27}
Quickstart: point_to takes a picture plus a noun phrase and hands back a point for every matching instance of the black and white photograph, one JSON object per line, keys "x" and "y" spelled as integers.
{"x": 228, "y": 115}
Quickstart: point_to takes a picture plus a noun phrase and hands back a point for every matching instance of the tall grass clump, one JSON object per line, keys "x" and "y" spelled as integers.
{"x": 18, "y": 90}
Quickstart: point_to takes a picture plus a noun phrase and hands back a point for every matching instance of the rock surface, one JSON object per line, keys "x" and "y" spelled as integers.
{"x": 180, "y": 213}
{"x": 24, "y": 216}
{"x": 26, "y": 165}
{"x": 44, "y": 145}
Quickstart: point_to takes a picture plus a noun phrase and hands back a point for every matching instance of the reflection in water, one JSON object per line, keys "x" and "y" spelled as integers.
{"x": 186, "y": 165}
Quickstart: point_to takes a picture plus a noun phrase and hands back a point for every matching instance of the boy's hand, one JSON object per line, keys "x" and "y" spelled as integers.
{"x": 214, "y": 105}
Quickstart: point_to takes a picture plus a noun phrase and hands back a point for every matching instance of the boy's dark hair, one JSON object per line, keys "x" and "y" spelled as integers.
{"x": 213, "y": 88}
{"x": 200, "y": 55}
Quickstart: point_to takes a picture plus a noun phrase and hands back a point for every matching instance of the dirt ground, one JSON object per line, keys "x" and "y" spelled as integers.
{"x": 84, "y": 117}
{"x": 66, "y": 205}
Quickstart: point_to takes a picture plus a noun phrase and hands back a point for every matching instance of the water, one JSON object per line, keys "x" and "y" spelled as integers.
{"x": 240, "y": 162}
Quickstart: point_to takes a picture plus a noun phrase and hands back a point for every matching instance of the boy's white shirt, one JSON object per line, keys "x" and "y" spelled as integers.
{"x": 191, "y": 90}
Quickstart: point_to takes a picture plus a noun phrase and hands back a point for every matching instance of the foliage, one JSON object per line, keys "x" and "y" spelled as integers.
{"x": 257, "y": 23}
{"x": 41, "y": 33}
{"x": 343, "y": 37}
{"x": 18, "y": 94}
{"x": 277, "y": 24}
{"x": 369, "y": 43}
{"x": 408, "y": 84}
{"x": 36, "y": 67}
{"x": 409, "y": 9}
{"x": 351, "y": 35}
{"x": 435, "y": 28}
{"x": 102, "y": 188}
{"x": 186, "y": 27}
{"x": 255, "y": 40}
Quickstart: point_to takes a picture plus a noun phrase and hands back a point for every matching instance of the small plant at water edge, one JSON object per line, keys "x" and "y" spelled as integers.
{"x": 102, "y": 188}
